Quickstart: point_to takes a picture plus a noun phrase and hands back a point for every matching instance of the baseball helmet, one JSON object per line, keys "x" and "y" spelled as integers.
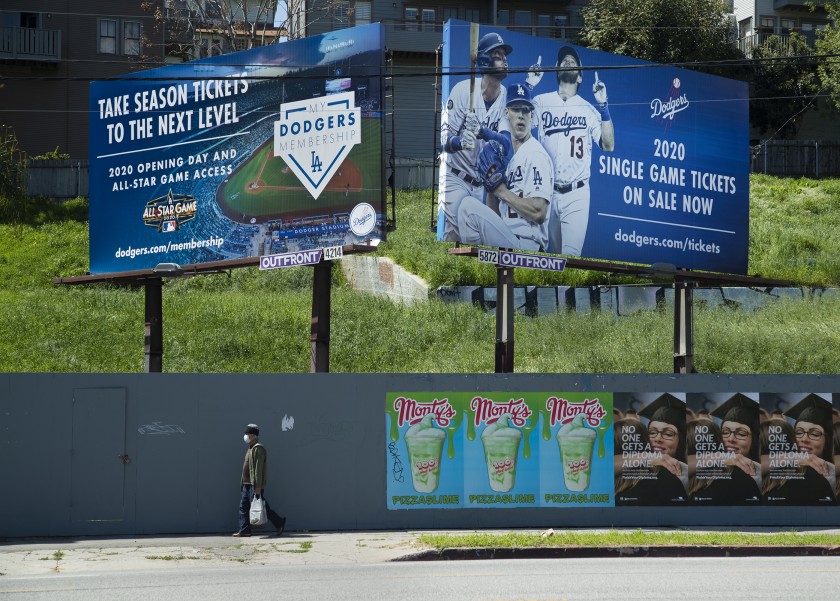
{"x": 486, "y": 45}
{"x": 518, "y": 93}
{"x": 563, "y": 53}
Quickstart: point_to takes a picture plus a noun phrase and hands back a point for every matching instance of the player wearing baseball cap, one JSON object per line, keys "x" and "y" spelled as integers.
{"x": 567, "y": 127}
{"x": 518, "y": 177}
{"x": 460, "y": 126}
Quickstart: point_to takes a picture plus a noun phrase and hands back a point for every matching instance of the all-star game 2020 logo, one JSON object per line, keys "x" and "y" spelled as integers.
{"x": 168, "y": 213}
{"x": 314, "y": 137}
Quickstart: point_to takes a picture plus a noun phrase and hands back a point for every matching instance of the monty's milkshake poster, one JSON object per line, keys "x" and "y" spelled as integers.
{"x": 498, "y": 449}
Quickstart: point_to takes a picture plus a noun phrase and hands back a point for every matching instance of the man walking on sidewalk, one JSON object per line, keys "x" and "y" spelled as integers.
{"x": 254, "y": 475}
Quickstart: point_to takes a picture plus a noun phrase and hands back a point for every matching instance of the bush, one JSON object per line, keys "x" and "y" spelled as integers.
{"x": 12, "y": 175}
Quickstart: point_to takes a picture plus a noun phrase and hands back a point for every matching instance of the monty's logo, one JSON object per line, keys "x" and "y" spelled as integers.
{"x": 168, "y": 213}
{"x": 562, "y": 411}
{"x": 489, "y": 411}
{"x": 664, "y": 109}
{"x": 314, "y": 137}
{"x": 412, "y": 412}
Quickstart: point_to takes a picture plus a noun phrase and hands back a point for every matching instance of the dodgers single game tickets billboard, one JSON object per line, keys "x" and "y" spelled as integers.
{"x": 271, "y": 150}
{"x": 591, "y": 154}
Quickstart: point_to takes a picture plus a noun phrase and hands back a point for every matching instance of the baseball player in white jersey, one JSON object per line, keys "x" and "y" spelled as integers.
{"x": 567, "y": 127}
{"x": 460, "y": 129}
{"x": 516, "y": 213}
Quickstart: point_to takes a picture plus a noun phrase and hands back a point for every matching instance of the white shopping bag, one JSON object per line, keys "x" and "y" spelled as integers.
{"x": 257, "y": 514}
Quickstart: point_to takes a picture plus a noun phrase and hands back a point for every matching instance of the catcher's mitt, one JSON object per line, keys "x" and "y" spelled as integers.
{"x": 492, "y": 163}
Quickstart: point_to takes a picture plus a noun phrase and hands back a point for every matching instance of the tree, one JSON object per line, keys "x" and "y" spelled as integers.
{"x": 828, "y": 43}
{"x": 198, "y": 28}
{"x": 662, "y": 31}
{"x": 783, "y": 84}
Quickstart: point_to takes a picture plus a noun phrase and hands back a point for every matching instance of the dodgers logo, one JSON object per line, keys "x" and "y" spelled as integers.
{"x": 673, "y": 103}
{"x": 362, "y": 219}
{"x": 314, "y": 137}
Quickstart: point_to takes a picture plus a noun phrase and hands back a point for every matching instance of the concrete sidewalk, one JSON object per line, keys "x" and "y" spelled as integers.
{"x": 88, "y": 554}
{"x": 33, "y": 556}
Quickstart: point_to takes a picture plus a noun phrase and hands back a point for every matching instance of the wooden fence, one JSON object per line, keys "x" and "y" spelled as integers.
{"x": 796, "y": 158}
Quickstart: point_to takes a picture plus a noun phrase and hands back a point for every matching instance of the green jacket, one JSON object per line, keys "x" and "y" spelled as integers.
{"x": 257, "y": 460}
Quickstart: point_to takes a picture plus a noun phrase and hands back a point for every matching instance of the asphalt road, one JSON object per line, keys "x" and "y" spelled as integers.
{"x": 626, "y": 579}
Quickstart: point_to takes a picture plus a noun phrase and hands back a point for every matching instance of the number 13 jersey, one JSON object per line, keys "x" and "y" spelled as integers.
{"x": 567, "y": 129}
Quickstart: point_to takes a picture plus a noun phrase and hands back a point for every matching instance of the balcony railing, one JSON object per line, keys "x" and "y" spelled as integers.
{"x": 24, "y": 43}
{"x": 748, "y": 43}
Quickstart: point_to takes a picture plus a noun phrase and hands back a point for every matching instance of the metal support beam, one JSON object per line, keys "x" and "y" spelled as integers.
{"x": 153, "y": 335}
{"x": 319, "y": 333}
{"x": 504, "y": 319}
{"x": 683, "y": 328}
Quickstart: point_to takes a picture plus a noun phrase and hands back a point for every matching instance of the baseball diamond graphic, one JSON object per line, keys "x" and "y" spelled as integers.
{"x": 265, "y": 188}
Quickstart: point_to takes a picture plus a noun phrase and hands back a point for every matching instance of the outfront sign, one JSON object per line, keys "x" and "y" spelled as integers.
{"x": 607, "y": 157}
{"x": 268, "y": 151}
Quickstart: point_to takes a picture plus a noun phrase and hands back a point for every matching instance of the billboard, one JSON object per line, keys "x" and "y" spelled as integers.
{"x": 272, "y": 150}
{"x": 584, "y": 153}
{"x": 453, "y": 450}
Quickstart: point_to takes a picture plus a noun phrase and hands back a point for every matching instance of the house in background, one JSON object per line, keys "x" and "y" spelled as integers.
{"x": 759, "y": 19}
{"x": 49, "y": 53}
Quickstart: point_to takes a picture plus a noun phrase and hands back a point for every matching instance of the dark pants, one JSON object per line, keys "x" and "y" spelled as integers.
{"x": 245, "y": 508}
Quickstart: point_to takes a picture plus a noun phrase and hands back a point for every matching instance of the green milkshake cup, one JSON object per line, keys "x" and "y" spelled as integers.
{"x": 425, "y": 445}
{"x": 576, "y": 441}
{"x": 501, "y": 446}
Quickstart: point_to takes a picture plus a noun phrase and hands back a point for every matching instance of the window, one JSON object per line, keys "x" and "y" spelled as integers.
{"x": 473, "y": 15}
{"x": 449, "y": 13}
{"x": 503, "y": 17}
{"x": 523, "y": 17}
{"x": 362, "y": 13}
{"x": 744, "y": 27}
{"x": 340, "y": 15}
{"x": 788, "y": 25}
{"x": 544, "y": 26}
{"x": 428, "y": 19}
{"x": 768, "y": 23}
{"x": 107, "y": 36}
{"x": 29, "y": 20}
{"x": 120, "y": 37}
{"x": 411, "y": 15}
{"x": 131, "y": 38}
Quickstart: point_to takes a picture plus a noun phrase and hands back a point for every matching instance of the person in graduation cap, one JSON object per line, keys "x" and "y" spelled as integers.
{"x": 836, "y": 458}
{"x": 739, "y": 418}
{"x": 666, "y": 430}
{"x": 814, "y": 430}
{"x": 637, "y": 481}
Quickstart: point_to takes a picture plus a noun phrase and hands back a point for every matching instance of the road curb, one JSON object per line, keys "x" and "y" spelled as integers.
{"x": 467, "y": 553}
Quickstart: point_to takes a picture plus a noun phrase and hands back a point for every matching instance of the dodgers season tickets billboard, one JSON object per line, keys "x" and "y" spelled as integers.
{"x": 634, "y": 162}
{"x": 266, "y": 151}
{"x": 452, "y": 450}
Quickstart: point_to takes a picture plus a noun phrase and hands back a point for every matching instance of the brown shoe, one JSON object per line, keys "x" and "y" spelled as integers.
{"x": 241, "y": 534}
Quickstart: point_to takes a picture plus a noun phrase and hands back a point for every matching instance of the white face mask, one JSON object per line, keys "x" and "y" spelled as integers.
{"x": 246, "y": 438}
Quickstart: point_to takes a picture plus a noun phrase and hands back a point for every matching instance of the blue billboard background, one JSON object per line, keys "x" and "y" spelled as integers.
{"x": 183, "y": 167}
{"x": 675, "y": 189}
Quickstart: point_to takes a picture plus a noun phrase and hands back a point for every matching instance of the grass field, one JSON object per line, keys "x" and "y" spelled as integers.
{"x": 253, "y": 321}
{"x": 265, "y": 188}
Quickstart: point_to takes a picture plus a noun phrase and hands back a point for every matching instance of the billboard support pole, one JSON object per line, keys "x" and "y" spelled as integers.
{"x": 153, "y": 335}
{"x": 504, "y": 319}
{"x": 683, "y": 328}
{"x": 319, "y": 333}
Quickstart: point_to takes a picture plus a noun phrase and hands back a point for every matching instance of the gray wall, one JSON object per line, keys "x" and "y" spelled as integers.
{"x": 61, "y": 434}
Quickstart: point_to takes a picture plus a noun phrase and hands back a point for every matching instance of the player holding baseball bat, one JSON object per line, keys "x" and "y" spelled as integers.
{"x": 472, "y": 104}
